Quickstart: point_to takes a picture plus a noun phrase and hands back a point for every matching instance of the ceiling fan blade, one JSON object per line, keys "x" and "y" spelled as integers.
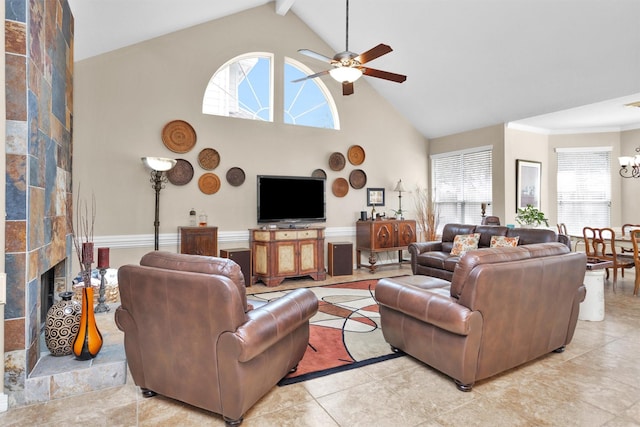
{"x": 371, "y": 54}
{"x": 372, "y": 72}
{"x": 312, "y": 76}
{"x": 315, "y": 55}
{"x": 347, "y": 88}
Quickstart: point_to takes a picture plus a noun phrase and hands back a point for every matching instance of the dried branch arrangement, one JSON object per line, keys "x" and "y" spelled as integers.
{"x": 82, "y": 228}
{"x": 426, "y": 214}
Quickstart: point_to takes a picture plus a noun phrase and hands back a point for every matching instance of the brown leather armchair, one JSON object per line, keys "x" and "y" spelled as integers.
{"x": 189, "y": 335}
{"x": 503, "y": 307}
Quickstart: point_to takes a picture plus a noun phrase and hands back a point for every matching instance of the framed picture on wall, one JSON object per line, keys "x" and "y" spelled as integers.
{"x": 375, "y": 196}
{"x": 528, "y": 182}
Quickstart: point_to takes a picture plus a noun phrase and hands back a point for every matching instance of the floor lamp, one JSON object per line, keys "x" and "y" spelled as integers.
{"x": 158, "y": 166}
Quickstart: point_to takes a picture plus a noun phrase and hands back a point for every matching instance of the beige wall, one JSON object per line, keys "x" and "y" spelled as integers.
{"x": 511, "y": 144}
{"x": 629, "y": 142}
{"x": 124, "y": 98}
{"x": 525, "y": 146}
{"x": 492, "y": 135}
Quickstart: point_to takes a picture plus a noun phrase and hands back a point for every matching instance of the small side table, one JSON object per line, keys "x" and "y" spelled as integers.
{"x": 242, "y": 257}
{"x": 592, "y": 308}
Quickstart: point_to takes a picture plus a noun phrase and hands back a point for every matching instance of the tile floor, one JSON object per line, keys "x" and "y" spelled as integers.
{"x": 595, "y": 382}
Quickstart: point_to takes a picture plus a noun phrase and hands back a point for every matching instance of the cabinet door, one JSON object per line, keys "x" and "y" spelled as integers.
{"x": 199, "y": 241}
{"x": 285, "y": 258}
{"x": 383, "y": 235}
{"x": 406, "y": 233}
{"x": 308, "y": 256}
{"x": 261, "y": 258}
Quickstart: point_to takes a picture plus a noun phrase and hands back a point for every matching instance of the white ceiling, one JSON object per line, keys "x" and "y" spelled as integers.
{"x": 470, "y": 63}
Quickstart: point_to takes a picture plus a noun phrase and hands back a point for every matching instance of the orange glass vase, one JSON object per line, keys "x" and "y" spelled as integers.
{"x": 88, "y": 342}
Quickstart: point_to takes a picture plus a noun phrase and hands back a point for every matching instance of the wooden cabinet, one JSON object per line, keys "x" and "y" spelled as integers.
{"x": 383, "y": 236}
{"x": 279, "y": 254}
{"x": 198, "y": 240}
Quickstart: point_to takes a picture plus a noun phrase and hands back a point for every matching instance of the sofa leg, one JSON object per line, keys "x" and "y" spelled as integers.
{"x": 559, "y": 350}
{"x": 396, "y": 349}
{"x": 295, "y": 368}
{"x": 229, "y": 422}
{"x": 148, "y": 393}
{"x": 463, "y": 387}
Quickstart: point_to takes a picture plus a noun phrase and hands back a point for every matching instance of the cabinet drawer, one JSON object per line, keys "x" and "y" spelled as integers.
{"x": 261, "y": 236}
{"x": 285, "y": 235}
{"x": 307, "y": 234}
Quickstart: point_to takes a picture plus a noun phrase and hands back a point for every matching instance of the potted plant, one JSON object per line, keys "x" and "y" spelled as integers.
{"x": 531, "y": 216}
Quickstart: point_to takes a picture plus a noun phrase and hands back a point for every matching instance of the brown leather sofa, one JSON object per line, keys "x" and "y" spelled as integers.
{"x": 435, "y": 259}
{"x": 504, "y": 307}
{"x": 189, "y": 334}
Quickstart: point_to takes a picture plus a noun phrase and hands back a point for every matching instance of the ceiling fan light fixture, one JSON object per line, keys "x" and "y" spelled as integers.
{"x": 345, "y": 74}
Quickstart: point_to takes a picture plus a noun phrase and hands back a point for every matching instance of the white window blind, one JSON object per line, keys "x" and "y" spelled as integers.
{"x": 584, "y": 188}
{"x": 461, "y": 182}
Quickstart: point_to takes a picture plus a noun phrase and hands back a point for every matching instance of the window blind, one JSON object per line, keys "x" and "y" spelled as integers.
{"x": 461, "y": 182}
{"x": 584, "y": 188}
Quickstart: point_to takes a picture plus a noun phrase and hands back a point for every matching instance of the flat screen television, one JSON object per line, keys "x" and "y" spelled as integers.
{"x": 291, "y": 200}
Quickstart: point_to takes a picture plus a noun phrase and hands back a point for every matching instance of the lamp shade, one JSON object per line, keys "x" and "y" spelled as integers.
{"x": 160, "y": 164}
{"x": 400, "y": 187}
{"x": 345, "y": 74}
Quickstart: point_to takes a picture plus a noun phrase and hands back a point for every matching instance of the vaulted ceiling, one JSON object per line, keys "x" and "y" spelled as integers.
{"x": 470, "y": 63}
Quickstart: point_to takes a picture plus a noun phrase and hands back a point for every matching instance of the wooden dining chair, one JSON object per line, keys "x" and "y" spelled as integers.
{"x": 591, "y": 239}
{"x": 562, "y": 229}
{"x": 626, "y": 231}
{"x": 635, "y": 239}
{"x": 606, "y": 247}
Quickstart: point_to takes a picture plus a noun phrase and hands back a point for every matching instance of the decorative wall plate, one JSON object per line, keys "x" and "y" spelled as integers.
{"x": 181, "y": 173}
{"x": 319, "y": 173}
{"x": 178, "y": 136}
{"x": 356, "y": 155}
{"x": 357, "y": 178}
{"x": 337, "y": 161}
{"x": 209, "y": 183}
{"x": 340, "y": 187}
{"x": 208, "y": 159}
{"x": 235, "y": 176}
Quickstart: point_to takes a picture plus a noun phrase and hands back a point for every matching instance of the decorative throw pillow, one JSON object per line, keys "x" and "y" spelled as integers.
{"x": 504, "y": 241}
{"x": 465, "y": 242}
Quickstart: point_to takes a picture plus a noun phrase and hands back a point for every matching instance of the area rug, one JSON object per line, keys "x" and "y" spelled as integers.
{"x": 344, "y": 334}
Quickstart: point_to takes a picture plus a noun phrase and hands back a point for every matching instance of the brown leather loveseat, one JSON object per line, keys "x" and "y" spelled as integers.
{"x": 189, "y": 335}
{"x": 435, "y": 259}
{"x": 504, "y": 307}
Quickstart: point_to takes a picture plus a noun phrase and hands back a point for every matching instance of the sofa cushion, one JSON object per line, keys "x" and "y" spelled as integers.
{"x": 503, "y": 241}
{"x": 450, "y": 231}
{"x": 487, "y": 232}
{"x": 434, "y": 259}
{"x": 463, "y": 243}
{"x": 533, "y": 235}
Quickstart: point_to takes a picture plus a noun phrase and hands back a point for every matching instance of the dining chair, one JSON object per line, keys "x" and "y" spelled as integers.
{"x": 591, "y": 239}
{"x": 562, "y": 229}
{"x": 626, "y": 231}
{"x": 635, "y": 239}
{"x": 606, "y": 247}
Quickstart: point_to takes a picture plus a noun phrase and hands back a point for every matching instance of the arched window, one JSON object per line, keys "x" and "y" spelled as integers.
{"x": 307, "y": 103}
{"x": 243, "y": 87}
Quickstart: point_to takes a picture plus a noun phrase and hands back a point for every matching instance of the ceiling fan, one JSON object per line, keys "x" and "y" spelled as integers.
{"x": 347, "y": 67}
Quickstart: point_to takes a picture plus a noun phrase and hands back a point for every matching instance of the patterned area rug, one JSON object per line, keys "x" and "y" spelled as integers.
{"x": 344, "y": 334}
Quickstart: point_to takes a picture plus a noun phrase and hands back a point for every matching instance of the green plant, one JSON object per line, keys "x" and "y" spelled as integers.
{"x": 531, "y": 216}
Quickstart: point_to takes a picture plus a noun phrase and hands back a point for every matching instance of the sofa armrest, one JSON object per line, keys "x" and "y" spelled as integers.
{"x": 273, "y": 321}
{"x": 427, "y": 306}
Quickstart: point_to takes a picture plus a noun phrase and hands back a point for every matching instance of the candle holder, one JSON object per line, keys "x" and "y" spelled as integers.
{"x": 101, "y": 307}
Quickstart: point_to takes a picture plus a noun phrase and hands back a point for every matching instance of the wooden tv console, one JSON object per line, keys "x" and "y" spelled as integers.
{"x": 283, "y": 253}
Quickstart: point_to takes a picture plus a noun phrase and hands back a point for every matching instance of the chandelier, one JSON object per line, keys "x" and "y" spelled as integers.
{"x": 630, "y": 165}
